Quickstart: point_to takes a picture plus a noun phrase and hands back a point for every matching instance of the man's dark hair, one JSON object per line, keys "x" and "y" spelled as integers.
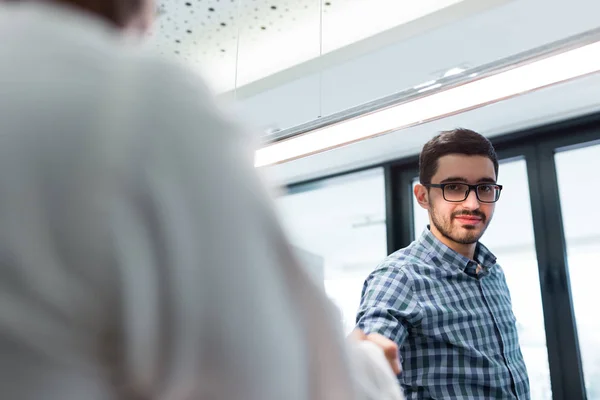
{"x": 457, "y": 141}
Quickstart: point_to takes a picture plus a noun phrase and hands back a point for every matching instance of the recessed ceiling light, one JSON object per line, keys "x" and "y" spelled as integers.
{"x": 454, "y": 71}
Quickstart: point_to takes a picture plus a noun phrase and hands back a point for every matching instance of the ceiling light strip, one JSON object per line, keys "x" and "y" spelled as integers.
{"x": 524, "y": 78}
{"x": 447, "y": 82}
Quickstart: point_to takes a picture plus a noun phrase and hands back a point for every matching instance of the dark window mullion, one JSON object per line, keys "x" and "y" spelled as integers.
{"x": 399, "y": 206}
{"x": 561, "y": 336}
{"x": 408, "y": 215}
{"x": 392, "y": 208}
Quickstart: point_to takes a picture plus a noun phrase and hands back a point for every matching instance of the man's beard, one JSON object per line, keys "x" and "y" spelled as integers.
{"x": 446, "y": 227}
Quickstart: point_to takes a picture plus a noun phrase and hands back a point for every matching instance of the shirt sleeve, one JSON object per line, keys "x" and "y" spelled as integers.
{"x": 373, "y": 374}
{"x": 388, "y": 304}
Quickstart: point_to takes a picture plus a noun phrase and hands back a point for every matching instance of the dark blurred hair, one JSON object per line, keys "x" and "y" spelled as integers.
{"x": 119, "y": 12}
{"x": 457, "y": 141}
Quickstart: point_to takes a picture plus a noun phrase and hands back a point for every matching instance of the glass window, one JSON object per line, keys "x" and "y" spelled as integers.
{"x": 339, "y": 224}
{"x": 510, "y": 237}
{"x": 577, "y": 172}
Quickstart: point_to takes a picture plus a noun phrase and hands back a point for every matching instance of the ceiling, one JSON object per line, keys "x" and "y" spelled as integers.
{"x": 508, "y": 29}
{"x": 469, "y": 36}
{"x": 236, "y": 42}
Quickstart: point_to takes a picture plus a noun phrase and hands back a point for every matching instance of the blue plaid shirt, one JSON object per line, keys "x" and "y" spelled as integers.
{"x": 455, "y": 328}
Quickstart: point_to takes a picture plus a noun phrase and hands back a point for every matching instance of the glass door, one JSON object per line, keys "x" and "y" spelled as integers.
{"x": 577, "y": 172}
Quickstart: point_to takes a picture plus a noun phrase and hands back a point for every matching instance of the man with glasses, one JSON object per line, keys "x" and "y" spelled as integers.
{"x": 444, "y": 299}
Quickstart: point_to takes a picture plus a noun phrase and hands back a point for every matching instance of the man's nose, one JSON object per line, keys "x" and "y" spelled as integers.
{"x": 471, "y": 202}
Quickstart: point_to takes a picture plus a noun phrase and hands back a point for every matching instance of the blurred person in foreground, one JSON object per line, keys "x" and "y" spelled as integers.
{"x": 141, "y": 258}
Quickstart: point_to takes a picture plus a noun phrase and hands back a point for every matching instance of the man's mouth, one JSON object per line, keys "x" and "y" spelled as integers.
{"x": 469, "y": 219}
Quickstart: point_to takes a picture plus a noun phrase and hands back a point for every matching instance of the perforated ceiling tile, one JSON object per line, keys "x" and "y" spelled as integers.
{"x": 273, "y": 34}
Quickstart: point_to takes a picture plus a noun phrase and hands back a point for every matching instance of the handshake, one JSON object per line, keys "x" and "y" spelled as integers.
{"x": 389, "y": 348}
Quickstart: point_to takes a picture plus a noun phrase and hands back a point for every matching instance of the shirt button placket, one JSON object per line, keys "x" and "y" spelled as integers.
{"x": 482, "y": 287}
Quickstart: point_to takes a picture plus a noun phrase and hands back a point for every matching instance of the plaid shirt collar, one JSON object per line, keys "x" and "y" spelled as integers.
{"x": 436, "y": 248}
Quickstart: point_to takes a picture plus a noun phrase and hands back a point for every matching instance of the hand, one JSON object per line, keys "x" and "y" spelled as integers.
{"x": 390, "y": 349}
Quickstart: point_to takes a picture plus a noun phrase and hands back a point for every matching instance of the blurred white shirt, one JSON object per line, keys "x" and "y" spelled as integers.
{"x": 140, "y": 256}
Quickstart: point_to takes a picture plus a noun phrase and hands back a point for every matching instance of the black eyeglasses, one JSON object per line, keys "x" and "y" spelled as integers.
{"x": 458, "y": 192}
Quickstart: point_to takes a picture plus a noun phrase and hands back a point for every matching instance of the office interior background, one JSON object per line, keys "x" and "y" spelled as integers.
{"x": 287, "y": 65}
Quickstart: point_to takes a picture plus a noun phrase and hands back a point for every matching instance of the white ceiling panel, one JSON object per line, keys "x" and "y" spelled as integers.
{"x": 353, "y": 20}
{"x": 482, "y": 38}
{"x": 236, "y": 42}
